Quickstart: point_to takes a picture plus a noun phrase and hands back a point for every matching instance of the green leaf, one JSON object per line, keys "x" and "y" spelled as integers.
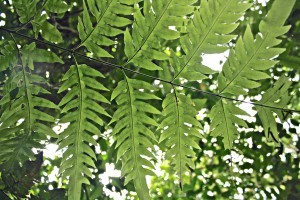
{"x": 41, "y": 55}
{"x": 178, "y": 113}
{"x": 26, "y": 9}
{"x": 57, "y": 6}
{"x": 132, "y": 133}
{"x": 224, "y": 121}
{"x": 252, "y": 55}
{"x": 82, "y": 112}
{"x": 110, "y": 18}
{"x": 8, "y": 56}
{"x": 277, "y": 96}
{"x": 90, "y": 71}
{"x": 22, "y": 116}
{"x": 209, "y": 31}
{"x": 142, "y": 46}
{"x": 50, "y": 32}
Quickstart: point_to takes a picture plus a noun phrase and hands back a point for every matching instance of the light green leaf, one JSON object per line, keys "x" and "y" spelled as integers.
{"x": 41, "y": 55}
{"x": 57, "y": 6}
{"x": 50, "y": 32}
{"x": 132, "y": 133}
{"x": 253, "y": 56}
{"x": 179, "y": 140}
{"x": 224, "y": 120}
{"x": 277, "y": 96}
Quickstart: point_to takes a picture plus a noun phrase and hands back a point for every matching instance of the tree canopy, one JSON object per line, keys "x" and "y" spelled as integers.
{"x": 135, "y": 85}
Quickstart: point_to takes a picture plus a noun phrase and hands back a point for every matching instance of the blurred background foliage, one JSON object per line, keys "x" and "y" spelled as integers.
{"x": 253, "y": 169}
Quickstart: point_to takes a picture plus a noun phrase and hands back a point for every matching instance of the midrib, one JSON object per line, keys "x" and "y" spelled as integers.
{"x": 148, "y": 35}
{"x": 133, "y": 134}
{"x": 97, "y": 24}
{"x": 202, "y": 42}
{"x": 247, "y": 63}
{"x": 227, "y": 128}
{"x": 78, "y": 132}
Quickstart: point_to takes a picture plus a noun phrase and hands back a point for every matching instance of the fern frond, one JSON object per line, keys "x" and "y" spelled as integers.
{"x": 8, "y": 55}
{"x": 277, "y": 96}
{"x": 28, "y": 12}
{"x": 132, "y": 132}
{"x": 81, "y": 109}
{"x": 250, "y": 58}
{"x": 26, "y": 9}
{"x": 208, "y": 32}
{"x": 180, "y": 129}
{"x": 225, "y": 121}
{"x": 21, "y": 120}
{"x": 109, "y": 20}
{"x": 244, "y": 68}
{"x": 142, "y": 46}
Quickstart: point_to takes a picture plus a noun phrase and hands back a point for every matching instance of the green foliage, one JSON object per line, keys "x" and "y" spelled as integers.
{"x": 276, "y": 96}
{"x": 207, "y": 32}
{"x": 245, "y": 65}
{"x": 134, "y": 136}
{"x": 26, "y": 9}
{"x": 141, "y": 45}
{"x": 44, "y": 85}
{"x": 22, "y": 179}
{"x": 244, "y": 68}
{"x": 224, "y": 121}
{"x": 82, "y": 99}
{"x": 180, "y": 128}
{"x": 108, "y": 21}
{"x": 21, "y": 116}
{"x": 56, "y": 6}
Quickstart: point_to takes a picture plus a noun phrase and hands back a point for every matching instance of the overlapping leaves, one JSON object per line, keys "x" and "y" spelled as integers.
{"x": 26, "y": 9}
{"x": 29, "y": 11}
{"x": 277, "y": 96}
{"x": 81, "y": 109}
{"x": 251, "y": 57}
{"x": 142, "y": 45}
{"x": 133, "y": 132}
{"x": 8, "y": 56}
{"x": 23, "y": 115}
{"x": 245, "y": 67}
{"x": 208, "y": 32}
{"x": 109, "y": 15}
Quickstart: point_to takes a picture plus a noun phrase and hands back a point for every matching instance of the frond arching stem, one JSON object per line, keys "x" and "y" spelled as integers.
{"x": 178, "y": 137}
{"x": 79, "y": 122}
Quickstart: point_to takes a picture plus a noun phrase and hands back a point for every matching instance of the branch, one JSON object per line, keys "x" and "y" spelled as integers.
{"x": 146, "y": 75}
